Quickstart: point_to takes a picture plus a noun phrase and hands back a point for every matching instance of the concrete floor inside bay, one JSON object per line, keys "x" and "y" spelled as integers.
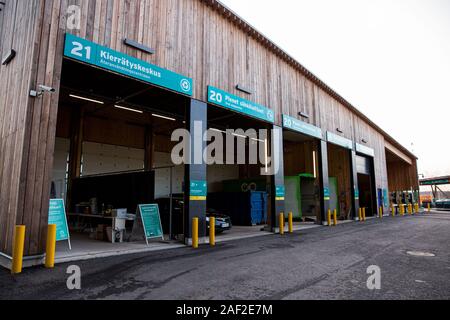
{"x": 317, "y": 263}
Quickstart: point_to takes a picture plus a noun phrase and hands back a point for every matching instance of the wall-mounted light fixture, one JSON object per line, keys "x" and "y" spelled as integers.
{"x": 303, "y": 115}
{"x": 137, "y": 45}
{"x": 243, "y": 89}
{"x": 9, "y": 57}
{"x": 363, "y": 140}
{"x": 339, "y": 130}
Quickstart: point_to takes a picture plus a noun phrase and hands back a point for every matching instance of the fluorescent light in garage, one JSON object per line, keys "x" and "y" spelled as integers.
{"x": 128, "y": 109}
{"x": 163, "y": 117}
{"x": 86, "y": 99}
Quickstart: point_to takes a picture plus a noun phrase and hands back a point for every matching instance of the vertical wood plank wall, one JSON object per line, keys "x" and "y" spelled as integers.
{"x": 189, "y": 36}
{"x": 19, "y": 31}
{"x": 401, "y": 177}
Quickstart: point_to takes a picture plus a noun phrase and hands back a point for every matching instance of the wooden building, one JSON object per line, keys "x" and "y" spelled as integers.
{"x": 200, "y": 39}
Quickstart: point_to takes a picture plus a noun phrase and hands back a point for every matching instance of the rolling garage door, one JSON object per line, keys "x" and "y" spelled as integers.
{"x": 363, "y": 165}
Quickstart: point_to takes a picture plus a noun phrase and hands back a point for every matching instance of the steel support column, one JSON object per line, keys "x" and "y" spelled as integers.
{"x": 196, "y": 170}
{"x": 324, "y": 179}
{"x": 354, "y": 185}
{"x": 277, "y": 178}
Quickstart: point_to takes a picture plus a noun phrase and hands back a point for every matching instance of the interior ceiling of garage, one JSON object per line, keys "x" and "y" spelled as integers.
{"x": 112, "y": 89}
{"x": 94, "y": 83}
{"x": 295, "y": 137}
{"x": 391, "y": 157}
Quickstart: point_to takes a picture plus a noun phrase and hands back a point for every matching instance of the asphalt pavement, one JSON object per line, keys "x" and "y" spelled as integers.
{"x": 321, "y": 263}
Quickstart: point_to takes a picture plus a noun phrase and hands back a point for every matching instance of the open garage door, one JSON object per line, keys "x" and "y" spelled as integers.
{"x": 402, "y": 177}
{"x": 341, "y": 193}
{"x": 302, "y": 179}
{"x": 113, "y": 153}
{"x": 366, "y": 184}
{"x": 241, "y": 186}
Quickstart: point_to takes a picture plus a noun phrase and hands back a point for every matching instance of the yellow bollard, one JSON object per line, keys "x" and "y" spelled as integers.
{"x": 329, "y": 217}
{"x": 360, "y": 214}
{"x": 364, "y": 214}
{"x": 380, "y": 212}
{"x": 19, "y": 243}
{"x": 429, "y": 207}
{"x": 291, "y": 222}
{"x": 282, "y": 222}
{"x": 195, "y": 233}
{"x": 212, "y": 231}
{"x": 335, "y": 217}
{"x": 393, "y": 211}
{"x": 51, "y": 246}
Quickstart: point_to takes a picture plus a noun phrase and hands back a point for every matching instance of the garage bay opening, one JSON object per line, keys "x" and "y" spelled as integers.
{"x": 239, "y": 193}
{"x": 366, "y": 185}
{"x": 302, "y": 178}
{"x": 339, "y": 169}
{"x": 113, "y": 153}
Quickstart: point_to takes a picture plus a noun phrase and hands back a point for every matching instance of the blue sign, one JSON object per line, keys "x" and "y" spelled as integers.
{"x": 94, "y": 54}
{"x": 326, "y": 194}
{"x": 356, "y": 194}
{"x": 365, "y": 150}
{"x": 238, "y": 104}
{"x": 57, "y": 216}
{"x": 340, "y": 141}
{"x": 302, "y": 127}
{"x": 385, "y": 198}
{"x": 198, "y": 190}
{"x": 280, "y": 193}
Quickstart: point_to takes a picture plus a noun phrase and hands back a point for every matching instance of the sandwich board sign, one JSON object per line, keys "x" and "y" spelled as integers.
{"x": 57, "y": 216}
{"x": 148, "y": 221}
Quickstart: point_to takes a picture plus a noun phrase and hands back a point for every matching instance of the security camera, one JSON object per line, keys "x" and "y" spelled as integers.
{"x": 40, "y": 92}
{"x": 46, "y": 89}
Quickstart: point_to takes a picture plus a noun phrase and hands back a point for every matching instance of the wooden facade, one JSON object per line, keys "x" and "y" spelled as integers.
{"x": 198, "y": 38}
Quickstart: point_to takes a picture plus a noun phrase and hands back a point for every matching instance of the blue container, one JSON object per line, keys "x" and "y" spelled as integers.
{"x": 244, "y": 208}
{"x": 257, "y": 216}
